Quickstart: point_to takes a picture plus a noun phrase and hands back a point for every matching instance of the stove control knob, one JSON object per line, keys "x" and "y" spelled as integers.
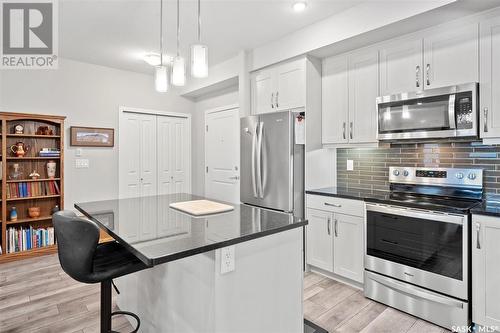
{"x": 459, "y": 175}
{"x": 395, "y": 172}
{"x": 472, "y": 176}
{"x": 406, "y": 173}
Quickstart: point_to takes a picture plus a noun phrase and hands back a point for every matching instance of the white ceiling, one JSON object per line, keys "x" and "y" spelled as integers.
{"x": 116, "y": 33}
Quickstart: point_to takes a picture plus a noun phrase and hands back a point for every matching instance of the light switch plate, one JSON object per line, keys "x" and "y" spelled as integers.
{"x": 81, "y": 163}
{"x": 78, "y": 152}
{"x": 350, "y": 165}
{"x": 227, "y": 259}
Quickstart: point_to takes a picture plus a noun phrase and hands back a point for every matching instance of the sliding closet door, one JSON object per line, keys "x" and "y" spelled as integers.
{"x": 174, "y": 142}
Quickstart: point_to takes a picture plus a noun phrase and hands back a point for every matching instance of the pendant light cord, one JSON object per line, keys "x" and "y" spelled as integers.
{"x": 178, "y": 28}
{"x": 199, "y": 20}
{"x": 161, "y": 32}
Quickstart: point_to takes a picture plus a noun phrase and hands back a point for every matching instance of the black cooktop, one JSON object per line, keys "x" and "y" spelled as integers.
{"x": 434, "y": 202}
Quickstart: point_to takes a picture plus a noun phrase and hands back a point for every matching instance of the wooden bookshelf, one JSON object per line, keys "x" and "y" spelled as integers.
{"x": 28, "y": 163}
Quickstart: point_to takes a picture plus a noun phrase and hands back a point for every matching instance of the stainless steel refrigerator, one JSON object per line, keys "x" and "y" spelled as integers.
{"x": 272, "y": 163}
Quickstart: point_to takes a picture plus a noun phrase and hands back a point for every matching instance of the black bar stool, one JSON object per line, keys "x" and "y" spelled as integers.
{"x": 85, "y": 260}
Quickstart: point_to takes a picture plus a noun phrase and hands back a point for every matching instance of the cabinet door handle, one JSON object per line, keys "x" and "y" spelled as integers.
{"x": 343, "y": 130}
{"x": 336, "y": 228}
{"x": 332, "y": 205}
{"x": 485, "y": 125}
{"x": 478, "y": 229}
{"x": 350, "y": 130}
{"x": 428, "y": 69}
{"x": 272, "y": 101}
{"x": 277, "y": 95}
{"x": 417, "y": 74}
{"x": 329, "y": 226}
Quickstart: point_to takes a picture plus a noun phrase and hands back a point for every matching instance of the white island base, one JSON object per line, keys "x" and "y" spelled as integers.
{"x": 263, "y": 293}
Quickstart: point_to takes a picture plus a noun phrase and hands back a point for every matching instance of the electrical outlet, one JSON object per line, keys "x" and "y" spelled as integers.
{"x": 81, "y": 163}
{"x": 350, "y": 165}
{"x": 78, "y": 152}
{"x": 227, "y": 259}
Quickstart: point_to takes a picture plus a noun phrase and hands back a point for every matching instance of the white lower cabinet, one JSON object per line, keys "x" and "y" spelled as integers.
{"x": 334, "y": 241}
{"x": 348, "y": 246}
{"x": 485, "y": 270}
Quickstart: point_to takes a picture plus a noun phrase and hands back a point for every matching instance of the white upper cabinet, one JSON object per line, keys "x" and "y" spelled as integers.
{"x": 490, "y": 79}
{"x": 485, "y": 270}
{"x": 262, "y": 87}
{"x": 280, "y": 87}
{"x": 291, "y": 85}
{"x": 363, "y": 90}
{"x": 401, "y": 67}
{"x": 451, "y": 56}
{"x": 335, "y": 100}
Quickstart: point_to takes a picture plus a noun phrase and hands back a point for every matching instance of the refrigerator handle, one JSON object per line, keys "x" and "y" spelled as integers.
{"x": 254, "y": 147}
{"x": 260, "y": 191}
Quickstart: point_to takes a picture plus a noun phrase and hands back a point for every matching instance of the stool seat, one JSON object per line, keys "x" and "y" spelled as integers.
{"x": 85, "y": 260}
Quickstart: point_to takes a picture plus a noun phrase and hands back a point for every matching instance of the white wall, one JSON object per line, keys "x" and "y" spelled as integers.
{"x": 88, "y": 95}
{"x": 221, "y": 98}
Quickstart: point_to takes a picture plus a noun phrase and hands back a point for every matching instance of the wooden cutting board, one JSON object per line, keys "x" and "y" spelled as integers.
{"x": 201, "y": 207}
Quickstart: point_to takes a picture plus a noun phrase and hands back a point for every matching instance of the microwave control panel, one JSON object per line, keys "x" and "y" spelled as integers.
{"x": 463, "y": 110}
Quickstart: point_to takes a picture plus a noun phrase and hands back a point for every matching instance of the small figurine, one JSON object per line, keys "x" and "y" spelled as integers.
{"x": 34, "y": 175}
{"x": 19, "y": 129}
{"x": 13, "y": 214}
{"x": 44, "y": 130}
{"x": 16, "y": 172}
{"x": 51, "y": 169}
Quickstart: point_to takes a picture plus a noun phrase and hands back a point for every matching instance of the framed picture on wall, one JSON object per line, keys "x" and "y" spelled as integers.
{"x": 92, "y": 136}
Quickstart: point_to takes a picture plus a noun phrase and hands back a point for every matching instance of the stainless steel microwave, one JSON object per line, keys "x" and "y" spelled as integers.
{"x": 435, "y": 113}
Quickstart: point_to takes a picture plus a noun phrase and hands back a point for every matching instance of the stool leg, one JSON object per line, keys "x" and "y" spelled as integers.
{"x": 106, "y": 306}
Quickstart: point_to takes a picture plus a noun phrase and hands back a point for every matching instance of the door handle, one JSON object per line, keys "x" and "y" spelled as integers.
{"x": 485, "y": 126}
{"x": 350, "y": 130}
{"x": 254, "y": 148}
{"x": 277, "y": 95}
{"x": 478, "y": 229}
{"x": 332, "y": 205}
{"x": 427, "y": 70}
{"x": 272, "y": 101}
{"x": 343, "y": 130}
{"x": 417, "y": 74}
{"x": 260, "y": 191}
{"x": 336, "y": 231}
{"x": 329, "y": 226}
{"x": 235, "y": 177}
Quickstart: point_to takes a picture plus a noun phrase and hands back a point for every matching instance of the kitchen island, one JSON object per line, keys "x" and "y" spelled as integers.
{"x": 191, "y": 285}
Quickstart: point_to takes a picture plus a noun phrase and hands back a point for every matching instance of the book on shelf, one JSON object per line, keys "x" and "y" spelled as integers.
{"x": 49, "y": 152}
{"x": 32, "y": 189}
{"x": 27, "y": 238}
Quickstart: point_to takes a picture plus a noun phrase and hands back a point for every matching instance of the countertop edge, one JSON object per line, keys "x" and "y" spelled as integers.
{"x": 479, "y": 211}
{"x": 345, "y": 196}
{"x": 194, "y": 251}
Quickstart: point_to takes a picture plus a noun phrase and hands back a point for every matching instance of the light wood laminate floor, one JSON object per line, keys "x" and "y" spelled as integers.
{"x": 338, "y": 307}
{"x": 37, "y": 296}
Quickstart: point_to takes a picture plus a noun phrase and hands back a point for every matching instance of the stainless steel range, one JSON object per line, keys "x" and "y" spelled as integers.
{"x": 418, "y": 243}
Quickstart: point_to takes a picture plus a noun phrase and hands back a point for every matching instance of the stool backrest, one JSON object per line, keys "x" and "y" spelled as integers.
{"x": 77, "y": 239}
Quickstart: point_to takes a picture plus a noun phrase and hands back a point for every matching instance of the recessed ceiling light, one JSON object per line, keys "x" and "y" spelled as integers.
{"x": 152, "y": 59}
{"x": 299, "y": 6}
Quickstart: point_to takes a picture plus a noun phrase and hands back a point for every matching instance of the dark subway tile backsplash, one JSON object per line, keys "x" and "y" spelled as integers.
{"x": 371, "y": 165}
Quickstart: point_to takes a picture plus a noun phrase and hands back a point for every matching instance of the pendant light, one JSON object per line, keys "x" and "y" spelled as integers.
{"x": 179, "y": 64}
{"x": 161, "y": 71}
{"x": 199, "y": 53}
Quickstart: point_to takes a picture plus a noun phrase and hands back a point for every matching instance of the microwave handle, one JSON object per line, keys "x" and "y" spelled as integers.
{"x": 451, "y": 112}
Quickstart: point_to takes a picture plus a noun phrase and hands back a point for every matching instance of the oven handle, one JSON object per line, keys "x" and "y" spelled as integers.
{"x": 416, "y": 213}
{"x": 415, "y": 291}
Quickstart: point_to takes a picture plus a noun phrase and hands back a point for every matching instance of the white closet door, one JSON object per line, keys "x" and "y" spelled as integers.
{"x": 181, "y": 155}
{"x": 165, "y": 174}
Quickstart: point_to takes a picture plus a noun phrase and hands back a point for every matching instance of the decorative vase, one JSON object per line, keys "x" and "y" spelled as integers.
{"x": 13, "y": 214}
{"x": 51, "y": 169}
{"x": 19, "y": 149}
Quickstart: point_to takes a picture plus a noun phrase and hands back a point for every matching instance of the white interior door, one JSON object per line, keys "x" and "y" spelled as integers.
{"x": 222, "y": 155}
{"x": 137, "y": 161}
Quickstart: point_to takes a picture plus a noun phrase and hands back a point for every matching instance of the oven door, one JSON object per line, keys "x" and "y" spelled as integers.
{"x": 427, "y": 249}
